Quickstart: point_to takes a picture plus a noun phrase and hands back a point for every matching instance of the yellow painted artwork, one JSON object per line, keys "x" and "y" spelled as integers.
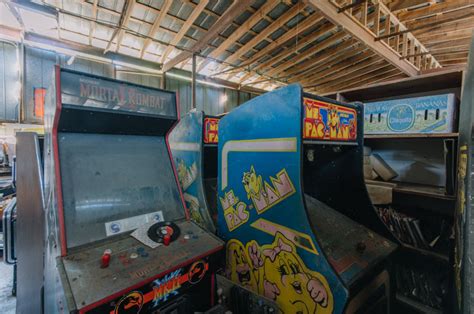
{"x": 278, "y": 273}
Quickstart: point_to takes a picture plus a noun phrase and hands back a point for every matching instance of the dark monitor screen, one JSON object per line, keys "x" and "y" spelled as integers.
{"x": 113, "y": 183}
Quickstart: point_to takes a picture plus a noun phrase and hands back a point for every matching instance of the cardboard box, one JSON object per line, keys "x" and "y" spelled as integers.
{"x": 427, "y": 114}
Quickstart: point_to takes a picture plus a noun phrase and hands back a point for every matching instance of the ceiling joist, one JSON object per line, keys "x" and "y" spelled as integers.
{"x": 237, "y": 8}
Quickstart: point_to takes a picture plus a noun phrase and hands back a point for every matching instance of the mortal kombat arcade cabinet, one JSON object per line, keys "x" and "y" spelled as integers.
{"x": 293, "y": 208}
{"x": 193, "y": 143}
{"x": 118, "y": 239}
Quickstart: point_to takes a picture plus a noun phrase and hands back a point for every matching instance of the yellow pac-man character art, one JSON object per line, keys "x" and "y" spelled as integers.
{"x": 283, "y": 277}
{"x": 239, "y": 268}
{"x": 253, "y": 184}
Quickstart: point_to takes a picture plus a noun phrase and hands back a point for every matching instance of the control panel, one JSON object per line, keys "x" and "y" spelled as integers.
{"x": 107, "y": 273}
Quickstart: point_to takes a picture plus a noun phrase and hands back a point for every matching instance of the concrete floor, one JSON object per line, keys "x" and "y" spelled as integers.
{"x": 7, "y": 301}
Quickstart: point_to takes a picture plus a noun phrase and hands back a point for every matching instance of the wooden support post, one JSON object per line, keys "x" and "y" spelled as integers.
{"x": 387, "y": 27}
{"x": 363, "y": 13}
{"x": 377, "y": 20}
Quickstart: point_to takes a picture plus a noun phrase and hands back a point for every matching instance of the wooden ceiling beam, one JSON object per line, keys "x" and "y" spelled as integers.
{"x": 267, "y": 31}
{"x": 363, "y": 34}
{"x": 333, "y": 70}
{"x": 237, "y": 8}
{"x": 324, "y": 65}
{"x": 307, "y": 53}
{"x": 367, "y": 79}
{"x": 119, "y": 31}
{"x": 301, "y": 43}
{"x": 240, "y": 31}
{"x": 399, "y": 5}
{"x": 184, "y": 28}
{"x": 442, "y": 29}
{"x": 308, "y": 22}
{"x": 401, "y": 26}
{"x": 156, "y": 25}
{"x": 434, "y": 8}
{"x": 301, "y": 70}
{"x": 362, "y": 70}
{"x": 92, "y": 25}
{"x": 288, "y": 51}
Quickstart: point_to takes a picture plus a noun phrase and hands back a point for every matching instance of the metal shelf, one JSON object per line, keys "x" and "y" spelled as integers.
{"x": 423, "y": 308}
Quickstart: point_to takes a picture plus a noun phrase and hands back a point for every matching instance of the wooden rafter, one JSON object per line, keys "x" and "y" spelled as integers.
{"x": 317, "y": 52}
{"x": 288, "y": 51}
{"x": 363, "y": 34}
{"x": 398, "y": 5}
{"x": 279, "y": 22}
{"x": 369, "y": 78}
{"x": 353, "y": 72}
{"x": 435, "y": 8}
{"x": 310, "y": 66}
{"x": 240, "y": 31}
{"x": 399, "y": 26}
{"x": 307, "y": 53}
{"x": 308, "y": 23}
{"x": 322, "y": 75}
{"x": 92, "y": 24}
{"x": 156, "y": 25}
{"x": 119, "y": 31}
{"x": 184, "y": 28}
{"x": 229, "y": 15}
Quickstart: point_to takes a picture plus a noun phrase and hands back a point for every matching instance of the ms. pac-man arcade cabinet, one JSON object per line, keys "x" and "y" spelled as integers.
{"x": 118, "y": 240}
{"x": 193, "y": 145}
{"x": 290, "y": 189}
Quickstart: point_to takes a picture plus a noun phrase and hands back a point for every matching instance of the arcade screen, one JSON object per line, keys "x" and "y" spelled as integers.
{"x": 114, "y": 183}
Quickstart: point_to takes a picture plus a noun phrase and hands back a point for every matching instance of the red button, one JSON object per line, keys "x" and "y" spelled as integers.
{"x": 166, "y": 239}
{"x": 105, "y": 261}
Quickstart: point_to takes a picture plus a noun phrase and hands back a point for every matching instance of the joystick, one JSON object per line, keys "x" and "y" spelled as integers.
{"x": 164, "y": 232}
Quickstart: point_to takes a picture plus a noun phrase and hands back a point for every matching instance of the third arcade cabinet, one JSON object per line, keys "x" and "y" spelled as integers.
{"x": 290, "y": 191}
{"x": 118, "y": 238}
{"x": 193, "y": 145}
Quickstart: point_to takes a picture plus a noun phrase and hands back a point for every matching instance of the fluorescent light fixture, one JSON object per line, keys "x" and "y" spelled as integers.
{"x": 70, "y": 61}
{"x": 223, "y": 98}
{"x": 185, "y": 78}
{"x": 16, "y": 90}
{"x": 136, "y": 67}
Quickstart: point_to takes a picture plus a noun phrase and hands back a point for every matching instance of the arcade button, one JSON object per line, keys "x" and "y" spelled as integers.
{"x": 166, "y": 239}
{"x": 105, "y": 260}
{"x": 141, "y": 251}
{"x": 164, "y": 232}
{"x": 133, "y": 255}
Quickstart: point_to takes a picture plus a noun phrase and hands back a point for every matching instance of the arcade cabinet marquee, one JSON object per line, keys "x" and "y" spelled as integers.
{"x": 119, "y": 240}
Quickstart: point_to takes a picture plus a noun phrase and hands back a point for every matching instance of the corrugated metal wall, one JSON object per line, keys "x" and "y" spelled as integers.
{"x": 38, "y": 71}
{"x": 10, "y": 86}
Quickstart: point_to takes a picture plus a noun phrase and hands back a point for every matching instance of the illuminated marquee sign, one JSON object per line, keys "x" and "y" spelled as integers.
{"x": 211, "y": 127}
{"x": 89, "y": 91}
{"x": 326, "y": 121}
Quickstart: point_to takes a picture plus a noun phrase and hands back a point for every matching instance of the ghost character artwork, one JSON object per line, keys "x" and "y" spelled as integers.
{"x": 284, "y": 278}
{"x": 239, "y": 267}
